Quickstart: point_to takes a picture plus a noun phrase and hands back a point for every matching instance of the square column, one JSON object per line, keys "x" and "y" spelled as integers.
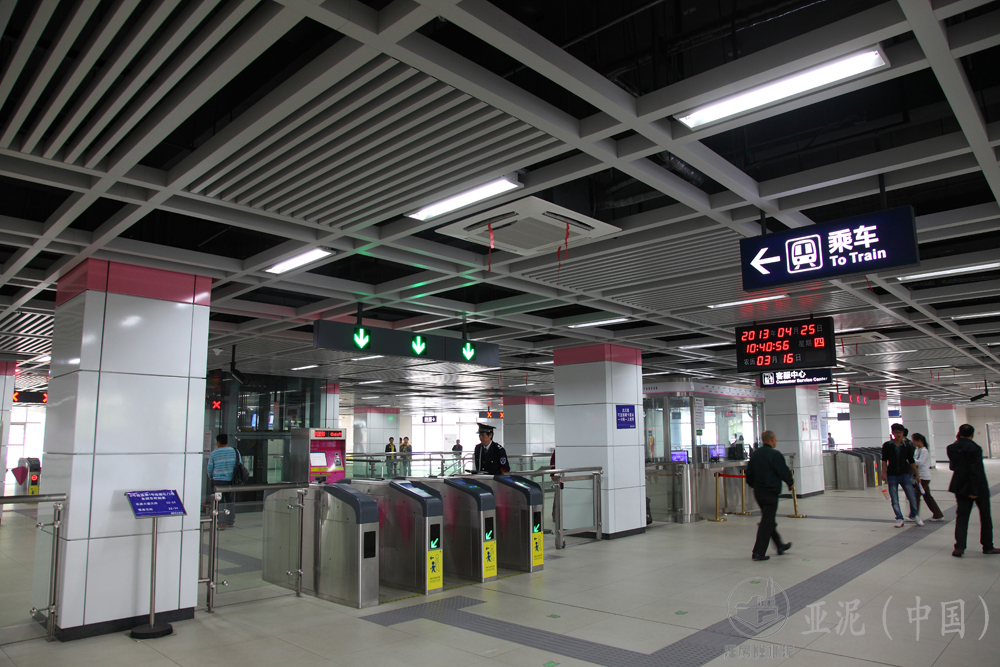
{"x": 870, "y": 423}
{"x": 330, "y": 404}
{"x": 793, "y": 414}
{"x": 529, "y": 424}
{"x": 373, "y": 427}
{"x": 916, "y": 415}
{"x": 594, "y": 384}
{"x": 945, "y": 423}
{"x": 126, "y": 412}
{"x": 7, "y": 369}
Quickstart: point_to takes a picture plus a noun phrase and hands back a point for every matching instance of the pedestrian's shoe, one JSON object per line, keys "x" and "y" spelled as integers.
{"x": 756, "y": 557}
{"x": 957, "y": 553}
{"x": 899, "y": 523}
{"x": 917, "y": 521}
{"x": 991, "y": 552}
{"x": 936, "y": 519}
{"x": 784, "y": 547}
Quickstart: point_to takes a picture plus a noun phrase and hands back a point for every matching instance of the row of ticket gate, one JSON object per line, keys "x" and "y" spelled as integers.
{"x": 406, "y": 534}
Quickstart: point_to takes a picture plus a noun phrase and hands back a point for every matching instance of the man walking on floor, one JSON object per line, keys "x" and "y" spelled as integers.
{"x": 765, "y": 473}
{"x": 968, "y": 483}
{"x": 898, "y": 469}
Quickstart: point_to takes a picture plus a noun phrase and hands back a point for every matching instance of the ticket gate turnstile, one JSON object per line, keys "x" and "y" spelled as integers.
{"x": 470, "y": 534}
{"x": 410, "y": 549}
{"x": 32, "y": 480}
{"x": 340, "y": 543}
{"x": 519, "y": 507}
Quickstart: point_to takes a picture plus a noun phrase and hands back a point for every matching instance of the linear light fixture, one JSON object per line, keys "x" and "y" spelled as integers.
{"x": 846, "y": 330}
{"x": 877, "y": 354}
{"x": 925, "y": 368}
{"x": 305, "y": 368}
{"x": 786, "y": 87}
{"x": 467, "y": 198}
{"x": 695, "y": 347}
{"x": 544, "y": 363}
{"x": 969, "y": 317}
{"x": 374, "y": 356}
{"x": 847, "y": 373}
{"x": 599, "y": 323}
{"x": 368, "y": 398}
{"x": 530, "y": 384}
{"x": 949, "y": 272}
{"x": 746, "y": 301}
{"x": 370, "y": 382}
{"x": 646, "y": 375}
{"x": 308, "y": 257}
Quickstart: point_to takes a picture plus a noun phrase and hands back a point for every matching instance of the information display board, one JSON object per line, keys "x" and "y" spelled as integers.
{"x": 786, "y": 346}
{"x": 149, "y": 504}
{"x": 862, "y": 244}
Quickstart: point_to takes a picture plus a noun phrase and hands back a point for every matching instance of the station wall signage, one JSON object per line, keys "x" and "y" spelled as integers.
{"x": 786, "y": 346}
{"x": 858, "y": 399}
{"x": 862, "y": 244}
{"x": 490, "y": 414}
{"x": 796, "y": 378}
{"x": 346, "y": 337}
{"x": 31, "y": 397}
{"x": 430, "y": 420}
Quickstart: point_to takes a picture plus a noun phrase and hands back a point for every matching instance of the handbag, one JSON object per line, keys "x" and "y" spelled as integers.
{"x": 240, "y": 473}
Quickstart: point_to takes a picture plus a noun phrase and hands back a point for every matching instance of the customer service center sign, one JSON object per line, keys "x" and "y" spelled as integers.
{"x": 862, "y": 244}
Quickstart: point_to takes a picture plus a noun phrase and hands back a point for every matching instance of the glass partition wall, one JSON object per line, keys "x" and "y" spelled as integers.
{"x": 671, "y": 433}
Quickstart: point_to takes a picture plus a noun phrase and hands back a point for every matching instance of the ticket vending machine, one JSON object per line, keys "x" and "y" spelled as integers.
{"x": 326, "y": 453}
{"x": 32, "y": 480}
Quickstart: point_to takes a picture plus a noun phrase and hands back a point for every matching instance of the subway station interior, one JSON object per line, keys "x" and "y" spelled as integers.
{"x": 267, "y": 397}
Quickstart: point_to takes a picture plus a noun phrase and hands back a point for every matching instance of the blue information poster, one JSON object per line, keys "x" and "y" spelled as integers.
{"x": 149, "y": 504}
{"x": 625, "y": 416}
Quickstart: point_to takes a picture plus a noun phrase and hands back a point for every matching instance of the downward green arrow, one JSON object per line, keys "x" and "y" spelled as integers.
{"x": 434, "y": 544}
{"x": 361, "y": 338}
{"x": 418, "y": 345}
{"x": 538, "y": 528}
{"x": 468, "y": 351}
{"x": 489, "y": 535}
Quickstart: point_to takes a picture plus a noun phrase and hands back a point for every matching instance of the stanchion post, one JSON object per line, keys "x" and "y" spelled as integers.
{"x": 558, "y": 501}
{"x": 302, "y": 523}
{"x": 795, "y": 501}
{"x": 717, "y": 517}
{"x": 743, "y": 496}
{"x": 213, "y": 533}
{"x": 50, "y": 622}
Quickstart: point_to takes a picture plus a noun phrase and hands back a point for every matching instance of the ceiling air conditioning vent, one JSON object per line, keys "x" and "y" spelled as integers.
{"x": 864, "y": 337}
{"x": 528, "y": 226}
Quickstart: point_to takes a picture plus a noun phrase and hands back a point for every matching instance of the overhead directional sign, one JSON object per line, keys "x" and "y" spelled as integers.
{"x": 346, "y": 337}
{"x": 862, "y": 244}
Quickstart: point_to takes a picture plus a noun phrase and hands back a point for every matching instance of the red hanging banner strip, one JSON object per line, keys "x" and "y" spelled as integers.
{"x": 489, "y": 261}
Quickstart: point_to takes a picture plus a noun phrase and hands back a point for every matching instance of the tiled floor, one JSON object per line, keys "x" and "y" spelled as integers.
{"x": 640, "y": 594}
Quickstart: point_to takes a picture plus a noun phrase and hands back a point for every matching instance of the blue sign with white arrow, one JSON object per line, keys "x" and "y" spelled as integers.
{"x": 862, "y": 244}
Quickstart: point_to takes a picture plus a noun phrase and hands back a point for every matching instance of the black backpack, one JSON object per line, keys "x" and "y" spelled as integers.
{"x": 240, "y": 473}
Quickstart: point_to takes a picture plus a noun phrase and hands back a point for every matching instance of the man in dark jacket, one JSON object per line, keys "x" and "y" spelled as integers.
{"x": 968, "y": 483}
{"x": 898, "y": 470}
{"x": 766, "y": 471}
{"x": 489, "y": 457}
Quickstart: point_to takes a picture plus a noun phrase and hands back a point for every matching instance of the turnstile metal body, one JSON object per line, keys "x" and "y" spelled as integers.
{"x": 519, "y": 507}
{"x": 410, "y": 550}
{"x": 340, "y": 543}
{"x": 470, "y": 531}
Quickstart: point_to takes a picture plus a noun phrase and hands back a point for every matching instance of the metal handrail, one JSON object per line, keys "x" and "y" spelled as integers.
{"x": 559, "y": 477}
{"x": 213, "y": 535}
{"x": 57, "y": 509}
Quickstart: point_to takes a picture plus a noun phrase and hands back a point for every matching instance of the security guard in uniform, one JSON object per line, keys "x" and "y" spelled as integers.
{"x": 490, "y": 457}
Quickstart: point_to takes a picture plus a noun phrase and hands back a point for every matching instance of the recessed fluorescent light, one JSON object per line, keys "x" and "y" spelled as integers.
{"x": 374, "y": 356}
{"x": 658, "y": 373}
{"x": 368, "y": 398}
{"x": 308, "y": 257}
{"x": 695, "y": 347}
{"x": 544, "y": 363}
{"x": 924, "y": 368}
{"x": 530, "y": 384}
{"x": 305, "y": 368}
{"x": 599, "y": 323}
{"x": 44, "y": 360}
{"x": 969, "y": 317}
{"x": 876, "y": 354}
{"x": 480, "y": 370}
{"x": 467, "y": 198}
{"x": 949, "y": 272}
{"x": 370, "y": 382}
{"x": 743, "y": 303}
{"x": 783, "y": 88}
{"x": 847, "y": 373}
{"x": 846, "y": 330}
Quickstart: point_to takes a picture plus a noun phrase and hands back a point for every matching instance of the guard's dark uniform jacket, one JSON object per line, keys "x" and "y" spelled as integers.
{"x": 491, "y": 460}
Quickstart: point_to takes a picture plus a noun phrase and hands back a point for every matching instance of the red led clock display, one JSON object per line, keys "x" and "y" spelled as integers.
{"x": 786, "y": 346}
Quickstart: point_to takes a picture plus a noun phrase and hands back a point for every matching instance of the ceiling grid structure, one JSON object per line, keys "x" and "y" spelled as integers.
{"x": 224, "y": 136}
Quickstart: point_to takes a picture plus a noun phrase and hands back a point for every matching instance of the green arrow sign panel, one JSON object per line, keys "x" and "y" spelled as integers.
{"x": 361, "y": 338}
{"x": 384, "y": 341}
{"x": 418, "y": 345}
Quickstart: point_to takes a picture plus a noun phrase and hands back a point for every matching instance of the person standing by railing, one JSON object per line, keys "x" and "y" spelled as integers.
{"x": 390, "y": 463}
{"x": 221, "y": 464}
{"x": 405, "y": 456}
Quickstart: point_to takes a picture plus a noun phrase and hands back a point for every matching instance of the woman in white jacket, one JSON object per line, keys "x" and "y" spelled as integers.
{"x": 922, "y": 457}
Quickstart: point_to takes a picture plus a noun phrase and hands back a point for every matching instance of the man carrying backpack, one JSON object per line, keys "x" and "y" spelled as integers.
{"x": 221, "y": 465}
